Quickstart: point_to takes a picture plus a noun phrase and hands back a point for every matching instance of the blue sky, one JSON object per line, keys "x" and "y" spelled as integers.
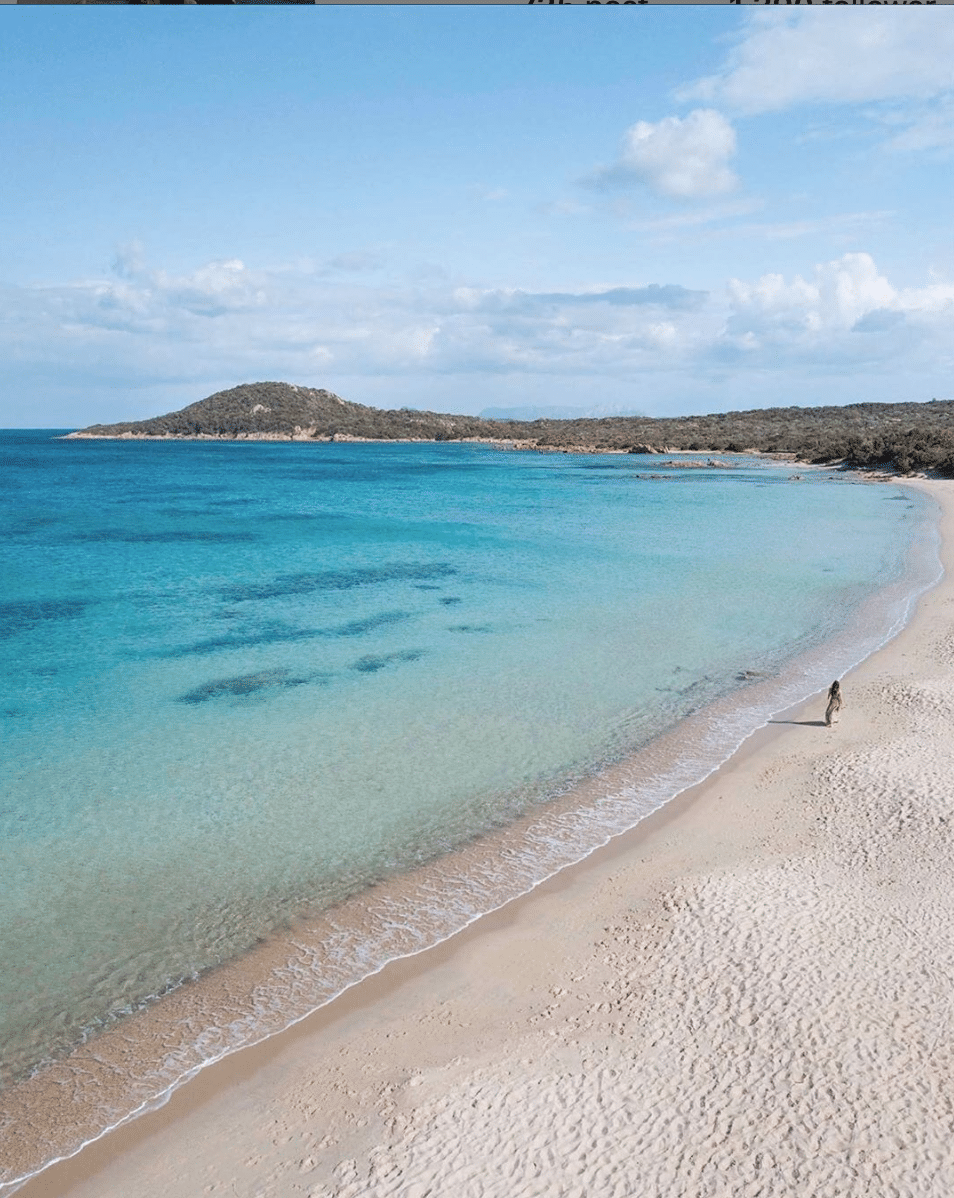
{"x": 664, "y": 210}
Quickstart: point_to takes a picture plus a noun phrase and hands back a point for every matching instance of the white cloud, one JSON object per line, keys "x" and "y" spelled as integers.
{"x": 846, "y": 312}
{"x": 136, "y": 297}
{"x": 784, "y": 59}
{"x": 225, "y": 317}
{"x": 840, "y": 293}
{"x": 229, "y": 323}
{"x": 678, "y": 156}
{"x": 669, "y": 295}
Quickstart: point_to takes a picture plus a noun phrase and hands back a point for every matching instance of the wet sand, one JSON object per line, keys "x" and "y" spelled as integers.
{"x": 749, "y": 994}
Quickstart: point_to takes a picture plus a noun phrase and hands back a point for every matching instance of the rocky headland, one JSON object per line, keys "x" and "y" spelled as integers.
{"x": 902, "y": 437}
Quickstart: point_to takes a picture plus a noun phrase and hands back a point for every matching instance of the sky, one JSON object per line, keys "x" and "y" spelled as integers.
{"x": 590, "y": 210}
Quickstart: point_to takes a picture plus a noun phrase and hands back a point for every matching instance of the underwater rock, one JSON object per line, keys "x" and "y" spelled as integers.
{"x": 242, "y": 686}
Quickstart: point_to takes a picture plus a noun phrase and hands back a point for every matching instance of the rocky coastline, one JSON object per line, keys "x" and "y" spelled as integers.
{"x": 901, "y": 438}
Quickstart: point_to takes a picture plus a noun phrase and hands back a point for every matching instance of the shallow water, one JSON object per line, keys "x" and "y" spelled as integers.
{"x": 244, "y": 682}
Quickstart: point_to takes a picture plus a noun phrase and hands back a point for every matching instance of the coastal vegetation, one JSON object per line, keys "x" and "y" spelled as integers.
{"x": 901, "y": 437}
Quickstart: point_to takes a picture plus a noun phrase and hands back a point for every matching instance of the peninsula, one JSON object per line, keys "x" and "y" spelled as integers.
{"x": 902, "y": 437}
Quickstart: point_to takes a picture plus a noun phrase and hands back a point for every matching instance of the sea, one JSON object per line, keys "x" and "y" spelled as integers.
{"x": 274, "y": 714}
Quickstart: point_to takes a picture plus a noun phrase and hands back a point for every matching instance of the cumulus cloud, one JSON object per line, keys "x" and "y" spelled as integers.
{"x": 144, "y": 327}
{"x": 225, "y": 316}
{"x": 812, "y": 56}
{"x": 604, "y": 330}
{"x": 678, "y": 156}
{"x": 846, "y": 310}
{"x": 840, "y": 293}
{"x": 136, "y": 297}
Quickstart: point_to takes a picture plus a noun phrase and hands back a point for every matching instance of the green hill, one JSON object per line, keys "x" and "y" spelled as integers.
{"x": 902, "y": 437}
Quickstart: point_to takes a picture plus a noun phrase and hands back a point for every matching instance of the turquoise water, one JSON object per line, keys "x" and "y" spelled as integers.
{"x": 242, "y": 682}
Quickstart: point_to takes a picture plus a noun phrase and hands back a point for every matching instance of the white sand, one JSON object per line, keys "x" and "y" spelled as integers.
{"x": 753, "y": 995}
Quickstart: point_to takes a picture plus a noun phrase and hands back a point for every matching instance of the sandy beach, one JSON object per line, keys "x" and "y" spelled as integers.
{"x": 749, "y": 994}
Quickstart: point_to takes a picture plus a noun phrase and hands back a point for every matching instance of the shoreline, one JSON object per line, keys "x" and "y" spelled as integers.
{"x": 677, "y": 838}
{"x": 660, "y": 831}
{"x": 514, "y": 444}
{"x": 257, "y": 995}
{"x": 365, "y": 998}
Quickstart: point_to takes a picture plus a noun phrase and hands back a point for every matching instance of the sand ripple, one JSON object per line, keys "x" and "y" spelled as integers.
{"x": 776, "y": 1022}
{"x": 784, "y": 1029}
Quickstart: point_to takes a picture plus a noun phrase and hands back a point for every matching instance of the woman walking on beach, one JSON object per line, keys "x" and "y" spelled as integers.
{"x": 834, "y": 702}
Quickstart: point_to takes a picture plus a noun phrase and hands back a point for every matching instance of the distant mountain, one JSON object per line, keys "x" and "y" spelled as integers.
{"x": 554, "y": 413}
{"x": 901, "y": 437}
